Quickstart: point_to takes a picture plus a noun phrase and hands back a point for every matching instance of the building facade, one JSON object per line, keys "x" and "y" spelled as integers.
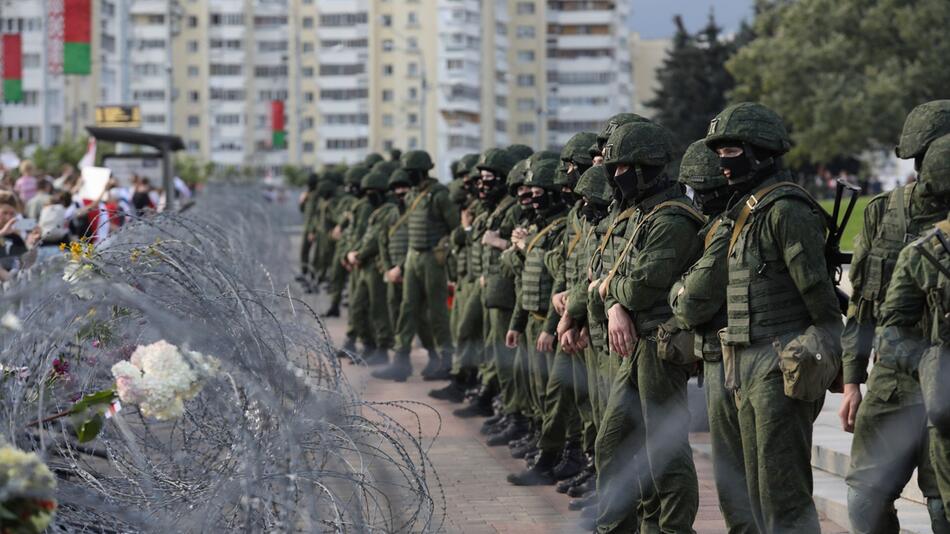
{"x": 354, "y": 76}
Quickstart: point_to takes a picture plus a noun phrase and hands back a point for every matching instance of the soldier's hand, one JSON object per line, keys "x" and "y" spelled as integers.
{"x": 564, "y": 324}
{"x": 567, "y": 339}
{"x": 583, "y": 339}
{"x": 593, "y": 285}
{"x": 559, "y": 301}
{"x": 336, "y": 233}
{"x": 466, "y": 217}
{"x": 848, "y": 412}
{"x": 353, "y": 258}
{"x": 394, "y": 275}
{"x": 545, "y": 342}
{"x": 311, "y": 237}
{"x": 481, "y": 281}
{"x": 511, "y": 339}
{"x": 602, "y": 290}
{"x": 621, "y": 333}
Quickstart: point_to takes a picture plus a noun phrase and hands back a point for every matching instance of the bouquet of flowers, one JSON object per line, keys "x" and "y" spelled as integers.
{"x": 27, "y": 492}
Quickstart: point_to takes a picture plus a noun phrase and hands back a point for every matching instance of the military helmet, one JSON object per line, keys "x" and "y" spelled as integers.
{"x": 375, "y": 179}
{"x": 935, "y": 169}
{"x": 457, "y": 193}
{"x": 454, "y": 168}
{"x": 923, "y": 125}
{"x": 520, "y": 152}
{"x": 516, "y": 176}
{"x": 615, "y": 122}
{"x": 355, "y": 174}
{"x": 333, "y": 176}
{"x": 386, "y": 167}
{"x": 325, "y": 188}
{"x": 594, "y": 186}
{"x": 594, "y": 151}
{"x": 700, "y": 169}
{"x": 417, "y": 160}
{"x": 638, "y": 143}
{"x": 497, "y": 160}
{"x": 544, "y": 155}
{"x": 749, "y": 123}
{"x": 466, "y": 164}
{"x": 399, "y": 177}
{"x": 577, "y": 149}
{"x": 541, "y": 174}
{"x": 372, "y": 159}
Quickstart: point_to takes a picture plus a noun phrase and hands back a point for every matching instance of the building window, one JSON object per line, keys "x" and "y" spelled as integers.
{"x": 387, "y": 70}
{"x": 192, "y": 21}
{"x": 308, "y": 22}
{"x": 412, "y": 19}
{"x": 194, "y": 96}
{"x": 194, "y": 120}
{"x": 525, "y": 8}
{"x": 227, "y": 120}
{"x": 225, "y": 69}
{"x": 194, "y": 146}
{"x": 387, "y": 45}
{"x": 308, "y": 47}
{"x": 501, "y": 101}
{"x": 525, "y": 32}
{"x": 387, "y": 20}
{"x": 387, "y": 120}
{"x": 192, "y": 46}
{"x": 412, "y": 43}
{"x": 413, "y": 119}
{"x": 413, "y": 69}
{"x": 525, "y": 128}
{"x": 454, "y": 64}
{"x": 307, "y": 72}
{"x": 413, "y": 93}
{"x": 526, "y": 56}
{"x": 413, "y": 143}
{"x": 387, "y": 95}
{"x": 500, "y": 125}
{"x": 307, "y": 123}
{"x": 193, "y": 70}
{"x": 526, "y": 104}
{"x": 308, "y": 97}
{"x": 308, "y": 147}
{"x": 526, "y": 80}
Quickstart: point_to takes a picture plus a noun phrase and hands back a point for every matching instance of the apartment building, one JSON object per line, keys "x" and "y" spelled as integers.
{"x": 646, "y": 55}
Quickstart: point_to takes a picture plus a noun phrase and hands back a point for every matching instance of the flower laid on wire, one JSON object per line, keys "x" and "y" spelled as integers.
{"x": 160, "y": 378}
{"x": 11, "y": 322}
{"x": 27, "y": 492}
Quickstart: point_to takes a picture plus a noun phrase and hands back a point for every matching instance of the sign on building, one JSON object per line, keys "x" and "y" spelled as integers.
{"x": 118, "y": 117}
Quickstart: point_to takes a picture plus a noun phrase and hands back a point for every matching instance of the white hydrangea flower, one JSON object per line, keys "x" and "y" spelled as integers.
{"x": 159, "y": 378}
{"x": 11, "y": 322}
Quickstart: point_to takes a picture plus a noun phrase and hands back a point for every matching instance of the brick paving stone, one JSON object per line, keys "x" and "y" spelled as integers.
{"x": 478, "y": 498}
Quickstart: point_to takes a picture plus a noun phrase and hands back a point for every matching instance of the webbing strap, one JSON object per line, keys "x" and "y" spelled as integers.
{"x": 547, "y": 229}
{"x": 752, "y": 202}
{"x": 402, "y": 218}
{"x": 712, "y": 232}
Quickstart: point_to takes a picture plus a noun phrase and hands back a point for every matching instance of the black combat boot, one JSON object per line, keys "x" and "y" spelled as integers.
{"x": 455, "y": 391}
{"x": 584, "y": 503}
{"x": 334, "y": 310}
{"x": 374, "y": 356}
{"x": 432, "y": 365}
{"x": 347, "y": 350}
{"x": 526, "y": 447}
{"x": 516, "y": 428}
{"x": 481, "y": 405}
{"x": 494, "y": 424}
{"x": 572, "y": 461}
{"x": 584, "y": 488}
{"x": 444, "y": 370}
{"x": 565, "y": 485}
{"x": 540, "y": 474}
{"x": 399, "y": 370}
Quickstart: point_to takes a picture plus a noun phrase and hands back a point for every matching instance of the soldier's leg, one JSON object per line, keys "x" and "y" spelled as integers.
{"x": 521, "y": 386}
{"x": 503, "y": 357}
{"x": 666, "y": 415}
{"x": 305, "y": 248}
{"x": 379, "y": 309}
{"x": 358, "y": 317}
{"x": 776, "y": 443}
{"x": 624, "y": 487}
{"x": 940, "y": 460}
{"x": 434, "y": 294}
{"x": 582, "y": 401}
{"x": 559, "y": 407}
{"x": 470, "y": 341}
{"x": 338, "y": 278}
{"x": 411, "y": 308}
{"x": 728, "y": 462}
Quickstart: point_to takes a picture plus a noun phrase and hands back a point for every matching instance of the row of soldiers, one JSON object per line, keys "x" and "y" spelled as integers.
{"x": 590, "y": 286}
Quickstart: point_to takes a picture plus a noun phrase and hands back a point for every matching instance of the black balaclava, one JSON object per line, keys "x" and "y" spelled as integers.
{"x": 492, "y": 191}
{"x": 416, "y": 176}
{"x": 713, "y": 201}
{"x": 525, "y": 199}
{"x": 629, "y": 186}
{"x": 354, "y": 190}
{"x": 593, "y": 212}
{"x": 375, "y": 197}
{"x": 749, "y": 168}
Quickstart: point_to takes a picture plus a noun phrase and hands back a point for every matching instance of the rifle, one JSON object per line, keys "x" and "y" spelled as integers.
{"x": 834, "y": 257}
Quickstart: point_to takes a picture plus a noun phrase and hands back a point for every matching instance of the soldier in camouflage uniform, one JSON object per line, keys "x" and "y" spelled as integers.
{"x": 308, "y": 207}
{"x": 573, "y": 332}
{"x": 698, "y": 301}
{"x": 781, "y": 307}
{"x": 365, "y": 262}
{"x": 534, "y": 318}
{"x": 889, "y": 425}
{"x": 914, "y": 332}
{"x": 393, "y": 248}
{"x": 561, "y": 425}
{"x": 431, "y": 217}
{"x": 340, "y": 209}
{"x": 661, "y": 243}
{"x": 323, "y": 221}
{"x": 350, "y": 224}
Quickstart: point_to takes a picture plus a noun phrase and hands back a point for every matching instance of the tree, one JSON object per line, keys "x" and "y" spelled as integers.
{"x": 844, "y": 73}
{"x": 296, "y": 176}
{"x": 693, "y": 81}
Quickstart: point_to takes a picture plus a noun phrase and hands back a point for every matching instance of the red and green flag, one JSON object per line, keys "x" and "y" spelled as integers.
{"x": 12, "y": 67}
{"x": 77, "y": 37}
{"x": 278, "y": 133}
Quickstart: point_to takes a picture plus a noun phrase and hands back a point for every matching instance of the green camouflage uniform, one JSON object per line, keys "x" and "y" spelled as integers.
{"x": 779, "y": 296}
{"x": 890, "y": 434}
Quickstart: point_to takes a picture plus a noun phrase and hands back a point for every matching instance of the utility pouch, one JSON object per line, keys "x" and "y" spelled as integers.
{"x": 674, "y": 344}
{"x": 810, "y": 364}
{"x": 934, "y": 370}
{"x": 499, "y": 291}
{"x": 730, "y": 379}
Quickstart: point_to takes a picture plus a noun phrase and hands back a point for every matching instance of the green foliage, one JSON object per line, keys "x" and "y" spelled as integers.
{"x": 844, "y": 73}
{"x": 855, "y": 225}
{"x": 87, "y": 416}
{"x": 693, "y": 82}
{"x": 296, "y": 176}
{"x": 192, "y": 170}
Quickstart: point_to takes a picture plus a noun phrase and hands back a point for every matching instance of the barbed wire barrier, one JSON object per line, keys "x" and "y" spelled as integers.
{"x": 171, "y": 382}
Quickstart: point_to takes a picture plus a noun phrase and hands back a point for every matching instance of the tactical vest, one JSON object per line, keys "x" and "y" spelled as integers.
{"x": 707, "y": 344}
{"x": 934, "y": 249}
{"x": 398, "y": 244}
{"x": 572, "y": 242}
{"x": 462, "y": 256}
{"x": 763, "y": 301}
{"x": 425, "y": 228}
{"x": 895, "y": 230}
{"x": 477, "y": 249}
{"x": 642, "y": 221}
{"x": 536, "y": 281}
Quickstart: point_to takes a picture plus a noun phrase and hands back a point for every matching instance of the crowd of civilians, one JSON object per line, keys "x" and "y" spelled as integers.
{"x": 39, "y": 212}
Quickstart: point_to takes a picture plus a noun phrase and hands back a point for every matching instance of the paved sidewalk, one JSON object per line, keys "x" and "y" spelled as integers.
{"x": 477, "y": 498}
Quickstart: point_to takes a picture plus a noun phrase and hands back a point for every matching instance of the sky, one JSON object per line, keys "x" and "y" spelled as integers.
{"x": 654, "y": 18}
